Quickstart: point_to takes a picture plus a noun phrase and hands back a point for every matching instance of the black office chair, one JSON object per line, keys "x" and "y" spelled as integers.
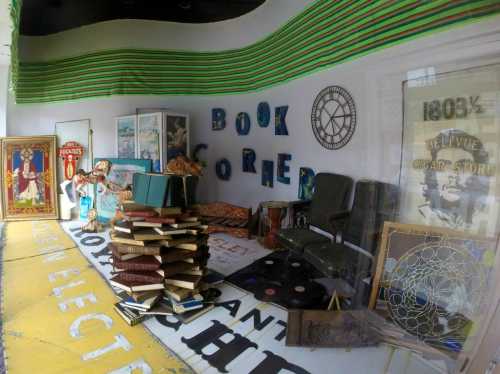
{"x": 331, "y": 196}
{"x": 359, "y": 230}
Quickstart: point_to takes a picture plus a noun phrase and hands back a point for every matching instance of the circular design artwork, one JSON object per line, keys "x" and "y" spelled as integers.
{"x": 435, "y": 290}
{"x": 333, "y": 117}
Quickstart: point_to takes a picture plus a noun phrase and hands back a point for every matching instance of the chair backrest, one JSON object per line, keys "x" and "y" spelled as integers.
{"x": 331, "y": 195}
{"x": 374, "y": 202}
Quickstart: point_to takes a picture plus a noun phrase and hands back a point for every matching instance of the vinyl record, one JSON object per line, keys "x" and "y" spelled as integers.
{"x": 248, "y": 281}
{"x": 296, "y": 270}
{"x": 269, "y": 293}
{"x": 270, "y": 268}
{"x": 304, "y": 295}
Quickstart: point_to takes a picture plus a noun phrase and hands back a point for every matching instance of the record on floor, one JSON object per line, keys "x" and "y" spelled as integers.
{"x": 271, "y": 268}
{"x": 270, "y": 292}
{"x": 302, "y": 295}
{"x": 248, "y": 281}
{"x": 296, "y": 269}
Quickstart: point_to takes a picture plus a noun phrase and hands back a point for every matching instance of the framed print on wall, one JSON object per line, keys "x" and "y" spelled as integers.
{"x": 149, "y": 139}
{"x": 29, "y": 178}
{"x": 449, "y": 173}
{"x": 126, "y": 140}
{"x": 176, "y": 136}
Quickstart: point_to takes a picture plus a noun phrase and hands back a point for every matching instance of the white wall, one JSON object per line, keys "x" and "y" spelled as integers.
{"x": 374, "y": 82}
{"x": 216, "y": 36}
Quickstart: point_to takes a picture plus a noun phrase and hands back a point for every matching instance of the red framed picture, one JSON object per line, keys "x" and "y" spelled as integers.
{"x": 29, "y": 189}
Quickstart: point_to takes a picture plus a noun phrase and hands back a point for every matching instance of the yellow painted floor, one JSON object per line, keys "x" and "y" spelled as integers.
{"x": 58, "y": 312}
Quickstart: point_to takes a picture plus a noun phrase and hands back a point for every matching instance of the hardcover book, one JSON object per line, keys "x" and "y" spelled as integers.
{"x": 142, "y": 262}
{"x": 121, "y": 256}
{"x": 178, "y": 293}
{"x": 149, "y": 234}
{"x": 131, "y": 286}
{"x": 150, "y": 249}
{"x": 161, "y": 220}
{"x": 184, "y": 281}
{"x": 173, "y": 268}
{"x": 174, "y": 254}
{"x": 169, "y": 231}
{"x": 124, "y": 238}
{"x": 140, "y": 276}
{"x": 132, "y": 317}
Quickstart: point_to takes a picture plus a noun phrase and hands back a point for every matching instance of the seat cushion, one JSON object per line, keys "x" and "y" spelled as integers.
{"x": 297, "y": 239}
{"x": 334, "y": 260}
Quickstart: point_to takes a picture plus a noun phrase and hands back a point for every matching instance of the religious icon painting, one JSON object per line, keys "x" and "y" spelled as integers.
{"x": 29, "y": 178}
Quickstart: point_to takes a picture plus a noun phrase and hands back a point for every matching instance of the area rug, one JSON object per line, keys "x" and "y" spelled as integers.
{"x": 242, "y": 334}
{"x": 57, "y": 311}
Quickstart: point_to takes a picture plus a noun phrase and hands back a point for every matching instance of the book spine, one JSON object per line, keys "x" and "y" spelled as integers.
{"x": 137, "y": 267}
{"x": 163, "y": 220}
{"x": 138, "y": 250}
{"x": 139, "y": 213}
{"x": 135, "y": 277}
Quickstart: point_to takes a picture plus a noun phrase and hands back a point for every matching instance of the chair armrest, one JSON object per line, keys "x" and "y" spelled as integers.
{"x": 339, "y": 215}
{"x": 338, "y": 221}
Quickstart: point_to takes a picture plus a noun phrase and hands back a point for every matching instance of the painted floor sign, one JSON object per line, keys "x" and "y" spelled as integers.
{"x": 244, "y": 335}
{"x": 58, "y": 312}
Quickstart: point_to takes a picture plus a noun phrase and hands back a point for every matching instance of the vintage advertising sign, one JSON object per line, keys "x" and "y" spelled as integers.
{"x": 70, "y": 152}
{"x": 450, "y": 153}
{"x": 29, "y": 178}
{"x": 242, "y": 334}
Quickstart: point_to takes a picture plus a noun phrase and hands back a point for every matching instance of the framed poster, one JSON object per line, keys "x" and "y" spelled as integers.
{"x": 126, "y": 140}
{"x": 149, "y": 139}
{"x": 449, "y": 174}
{"x": 434, "y": 283}
{"x": 120, "y": 176}
{"x": 29, "y": 189}
{"x": 176, "y": 140}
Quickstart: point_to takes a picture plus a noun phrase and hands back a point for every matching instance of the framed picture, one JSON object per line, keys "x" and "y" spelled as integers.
{"x": 126, "y": 140}
{"x": 120, "y": 175}
{"x": 176, "y": 138}
{"x": 449, "y": 172}
{"x": 29, "y": 189}
{"x": 149, "y": 139}
{"x": 434, "y": 282}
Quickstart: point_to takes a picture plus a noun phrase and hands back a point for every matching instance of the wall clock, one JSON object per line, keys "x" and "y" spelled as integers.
{"x": 333, "y": 117}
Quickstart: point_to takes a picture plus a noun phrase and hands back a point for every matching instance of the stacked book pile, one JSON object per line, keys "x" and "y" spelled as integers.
{"x": 156, "y": 251}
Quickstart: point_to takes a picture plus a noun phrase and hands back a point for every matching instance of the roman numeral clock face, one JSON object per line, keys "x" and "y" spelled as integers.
{"x": 333, "y": 117}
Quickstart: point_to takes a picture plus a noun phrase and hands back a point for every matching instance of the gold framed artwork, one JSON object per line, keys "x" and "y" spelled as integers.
{"x": 434, "y": 282}
{"x": 29, "y": 189}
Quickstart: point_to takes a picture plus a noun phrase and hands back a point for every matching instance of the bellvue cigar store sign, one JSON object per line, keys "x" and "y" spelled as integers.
{"x": 450, "y": 156}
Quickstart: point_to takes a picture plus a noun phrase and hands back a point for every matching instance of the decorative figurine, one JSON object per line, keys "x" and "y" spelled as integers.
{"x": 93, "y": 225}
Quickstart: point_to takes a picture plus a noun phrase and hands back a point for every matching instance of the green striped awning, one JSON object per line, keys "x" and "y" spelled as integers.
{"x": 323, "y": 35}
